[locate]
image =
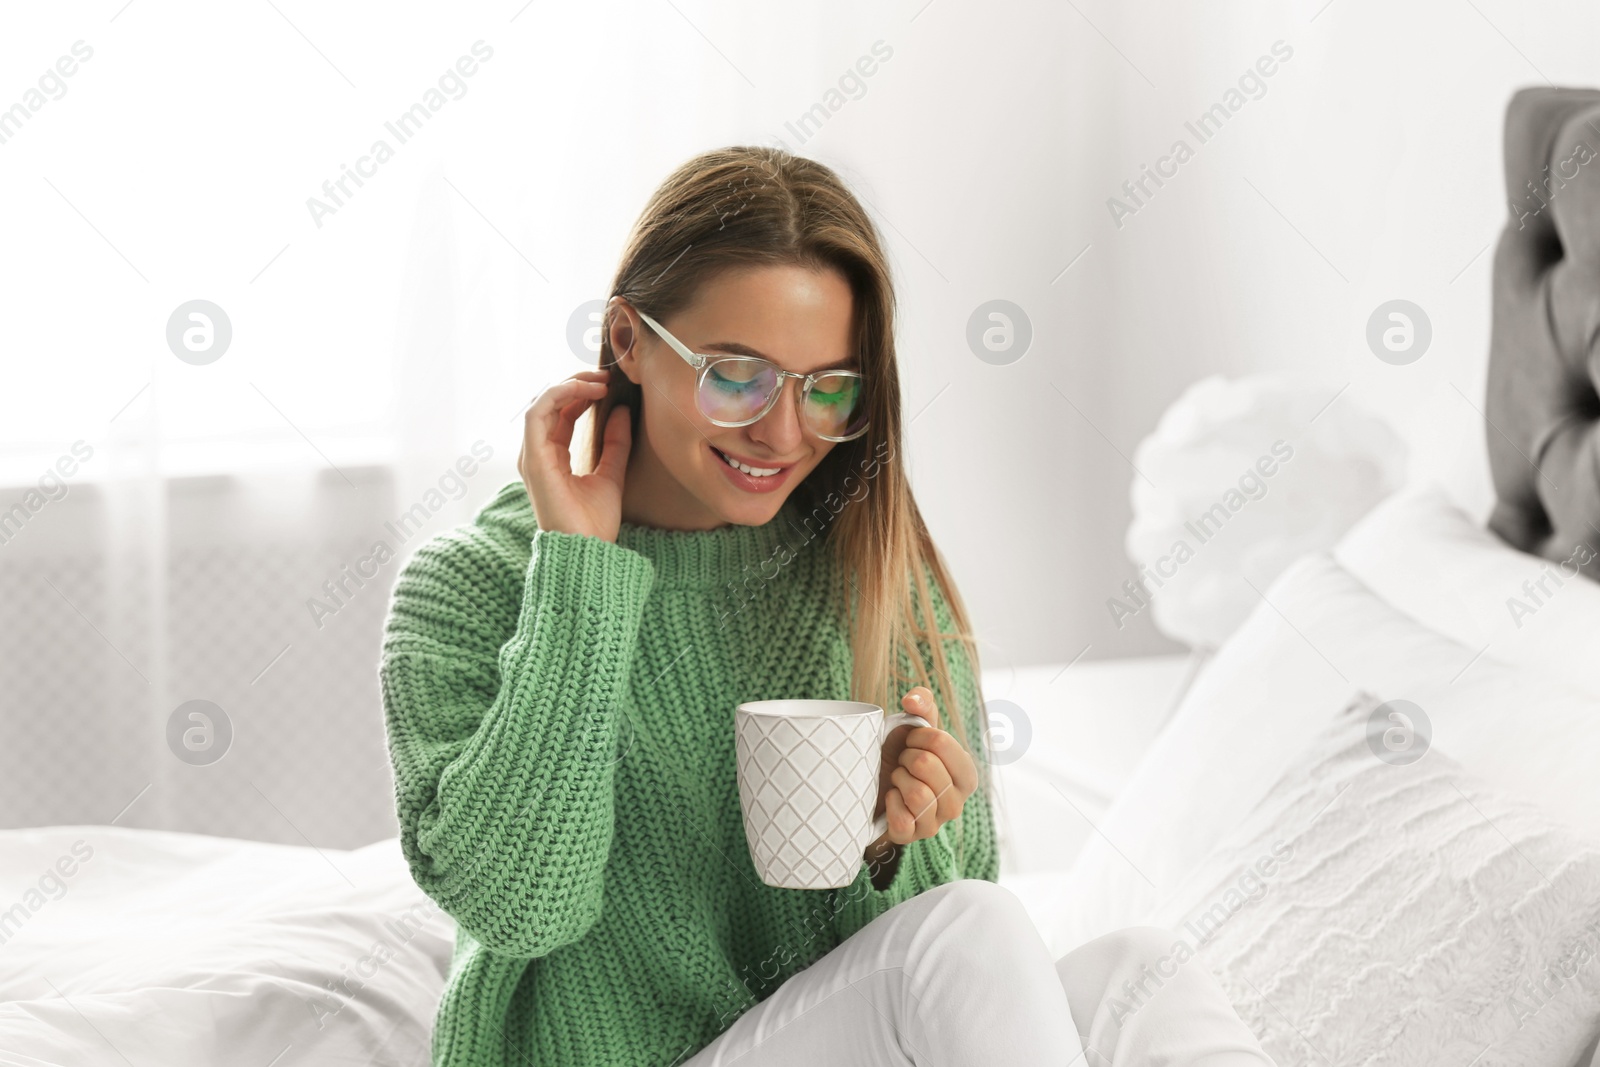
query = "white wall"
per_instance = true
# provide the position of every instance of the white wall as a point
(1374, 154)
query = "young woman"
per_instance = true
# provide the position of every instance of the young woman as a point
(560, 679)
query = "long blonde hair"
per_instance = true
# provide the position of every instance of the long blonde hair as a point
(745, 207)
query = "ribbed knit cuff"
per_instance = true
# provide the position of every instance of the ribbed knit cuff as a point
(580, 573)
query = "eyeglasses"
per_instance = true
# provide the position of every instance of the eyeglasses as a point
(738, 390)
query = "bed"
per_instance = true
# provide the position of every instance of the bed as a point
(1369, 889)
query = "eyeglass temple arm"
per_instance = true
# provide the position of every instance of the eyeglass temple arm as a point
(677, 345)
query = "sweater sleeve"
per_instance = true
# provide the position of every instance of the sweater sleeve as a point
(501, 689)
(963, 847)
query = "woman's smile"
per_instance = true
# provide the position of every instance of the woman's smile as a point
(751, 475)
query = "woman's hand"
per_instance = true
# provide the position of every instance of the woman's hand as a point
(563, 501)
(928, 779)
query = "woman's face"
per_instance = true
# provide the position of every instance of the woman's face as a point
(799, 319)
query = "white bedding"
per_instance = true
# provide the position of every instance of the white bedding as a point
(180, 949)
(1433, 562)
(1372, 913)
(1518, 724)
(190, 951)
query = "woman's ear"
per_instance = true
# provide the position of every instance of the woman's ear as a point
(624, 334)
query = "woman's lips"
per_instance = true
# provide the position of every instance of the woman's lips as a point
(750, 483)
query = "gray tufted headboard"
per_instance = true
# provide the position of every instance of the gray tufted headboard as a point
(1544, 350)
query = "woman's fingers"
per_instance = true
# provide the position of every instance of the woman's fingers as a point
(919, 701)
(553, 393)
(554, 412)
(556, 400)
(933, 775)
(931, 771)
(902, 826)
(954, 759)
(919, 800)
(561, 500)
(616, 445)
(567, 418)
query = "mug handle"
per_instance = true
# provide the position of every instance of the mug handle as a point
(891, 723)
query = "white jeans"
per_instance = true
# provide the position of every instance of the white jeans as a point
(958, 976)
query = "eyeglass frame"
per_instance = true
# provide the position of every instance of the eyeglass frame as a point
(703, 363)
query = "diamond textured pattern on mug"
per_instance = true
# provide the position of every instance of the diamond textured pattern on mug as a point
(801, 784)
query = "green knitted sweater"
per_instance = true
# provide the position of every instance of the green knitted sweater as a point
(560, 722)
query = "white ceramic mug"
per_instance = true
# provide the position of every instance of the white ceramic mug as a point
(808, 781)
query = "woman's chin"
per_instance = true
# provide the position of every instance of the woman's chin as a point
(747, 509)
(756, 512)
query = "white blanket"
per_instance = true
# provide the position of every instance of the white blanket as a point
(191, 951)
(137, 946)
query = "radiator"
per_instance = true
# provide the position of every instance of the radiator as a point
(256, 605)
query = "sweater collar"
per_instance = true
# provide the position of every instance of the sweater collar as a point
(709, 558)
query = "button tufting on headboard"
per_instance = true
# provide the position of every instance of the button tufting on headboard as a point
(1544, 352)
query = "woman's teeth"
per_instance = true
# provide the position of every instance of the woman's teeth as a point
(754, 472)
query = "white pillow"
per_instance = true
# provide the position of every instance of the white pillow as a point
(1278, 681)
(1365, 912)
(1427, 557)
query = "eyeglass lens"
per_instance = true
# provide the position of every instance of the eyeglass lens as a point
(734, 390)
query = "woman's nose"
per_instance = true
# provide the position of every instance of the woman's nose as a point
(780, 428)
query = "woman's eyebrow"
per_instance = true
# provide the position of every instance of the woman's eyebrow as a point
(734, 348)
